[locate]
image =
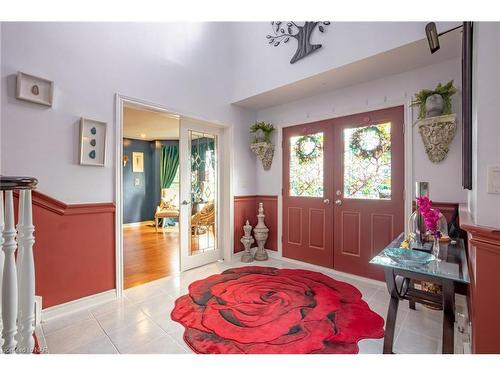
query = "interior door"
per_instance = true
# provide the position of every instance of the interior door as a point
(369, 187)
(307, 193)
(200, 176)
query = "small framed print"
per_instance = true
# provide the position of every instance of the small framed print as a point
(34, 89)
(92, 142)
(137, 162)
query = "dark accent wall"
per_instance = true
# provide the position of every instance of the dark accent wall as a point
(139, 202)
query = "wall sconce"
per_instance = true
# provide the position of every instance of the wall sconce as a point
(125, 160)
(433, 36)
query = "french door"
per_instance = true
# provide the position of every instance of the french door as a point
(307, 187)
(343, 198)
(199, 149)
(369, 188)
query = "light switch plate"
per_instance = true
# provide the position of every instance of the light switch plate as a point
(494, 179)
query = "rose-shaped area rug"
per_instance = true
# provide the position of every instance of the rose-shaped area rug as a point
(269, 310)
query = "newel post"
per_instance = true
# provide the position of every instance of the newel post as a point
(9, 281)
(26, 315)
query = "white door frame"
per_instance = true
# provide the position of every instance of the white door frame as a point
(227, 198)
(408, 156)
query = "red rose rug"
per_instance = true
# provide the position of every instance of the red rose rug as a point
(264, 310)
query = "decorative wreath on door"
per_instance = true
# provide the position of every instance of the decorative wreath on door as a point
(307, 148)
(369, 142)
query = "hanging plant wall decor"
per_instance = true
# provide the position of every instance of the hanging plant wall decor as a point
(283, 31)
(262, 145)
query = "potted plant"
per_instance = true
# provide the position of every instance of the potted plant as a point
(435, 102)
(262, 131)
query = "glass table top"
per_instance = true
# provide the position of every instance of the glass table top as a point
(450, 264)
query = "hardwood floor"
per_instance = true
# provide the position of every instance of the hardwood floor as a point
(149, 255)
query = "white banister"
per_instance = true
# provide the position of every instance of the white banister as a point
(9, 284)
(17, 271)
(1, 262)
(26, 317)
(19, 260)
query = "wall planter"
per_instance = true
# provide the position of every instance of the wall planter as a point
(265, 152)
(437, 134)
(262, 145)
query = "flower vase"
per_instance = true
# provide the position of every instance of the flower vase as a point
(435, 248)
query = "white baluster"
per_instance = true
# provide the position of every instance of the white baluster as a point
(9, 285)
(1, 262)
(27, 288)
(19, 258)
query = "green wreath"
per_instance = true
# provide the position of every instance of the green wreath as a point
(304, 155)
(360, 150)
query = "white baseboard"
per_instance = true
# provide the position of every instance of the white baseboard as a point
(79, 304)
(138, 224)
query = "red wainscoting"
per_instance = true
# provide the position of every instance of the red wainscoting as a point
(245, 208)
(484, 295)
(74, 249)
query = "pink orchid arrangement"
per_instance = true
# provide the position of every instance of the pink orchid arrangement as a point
(431, 215)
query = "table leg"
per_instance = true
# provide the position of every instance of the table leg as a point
(448, 317)
(390, 325)
(411, 303)
(392, 313)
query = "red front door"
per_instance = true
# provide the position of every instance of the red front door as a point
(346, 217)
(369, 198)
(307, 187)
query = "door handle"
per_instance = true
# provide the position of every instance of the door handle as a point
(185, 203)
(338, 202)
(326, 201)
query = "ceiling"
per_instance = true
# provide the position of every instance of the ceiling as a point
(145, 124)
(399, 60)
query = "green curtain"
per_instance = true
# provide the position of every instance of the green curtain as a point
(169, 165)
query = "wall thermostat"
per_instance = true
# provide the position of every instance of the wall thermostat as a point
(494, 179)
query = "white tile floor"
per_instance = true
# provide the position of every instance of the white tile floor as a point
(140, 321)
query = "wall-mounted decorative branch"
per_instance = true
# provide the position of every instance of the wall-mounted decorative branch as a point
(283, 31)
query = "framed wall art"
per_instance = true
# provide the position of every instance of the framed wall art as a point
(34, 89)
(137, 162)
(92, 142)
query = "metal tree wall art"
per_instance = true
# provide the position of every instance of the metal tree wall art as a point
(283, 31)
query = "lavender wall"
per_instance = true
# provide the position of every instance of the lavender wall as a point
(444, 178)
(484, 206)
(182, 66)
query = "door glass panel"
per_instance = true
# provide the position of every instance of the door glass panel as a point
(204, 181)
(367, 162)
(306, 165)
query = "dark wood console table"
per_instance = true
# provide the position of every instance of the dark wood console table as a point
(448, 271)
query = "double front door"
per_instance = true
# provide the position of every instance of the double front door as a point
(343, 190)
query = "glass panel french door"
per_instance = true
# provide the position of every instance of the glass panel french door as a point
(200, 178)
(369, 202)
(307, 193)
(343, 189)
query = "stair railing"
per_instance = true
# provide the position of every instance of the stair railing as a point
(17, 271)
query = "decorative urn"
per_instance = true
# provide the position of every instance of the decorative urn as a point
(247, 241)
(261, 232)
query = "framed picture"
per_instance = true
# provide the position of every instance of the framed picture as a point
(34, 89)
(92, 142)
(137, 162)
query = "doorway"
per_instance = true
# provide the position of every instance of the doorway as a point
(151, 191)
(200, 190)
(343, 189)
